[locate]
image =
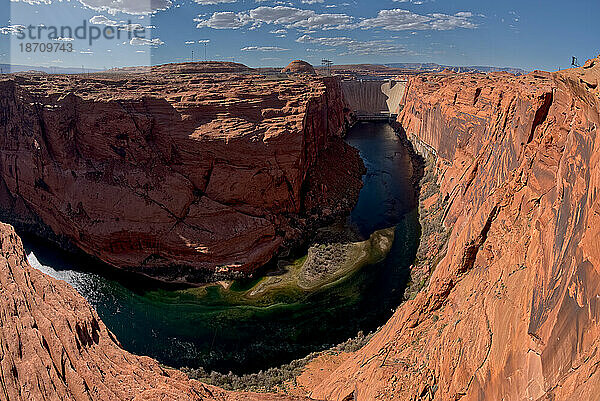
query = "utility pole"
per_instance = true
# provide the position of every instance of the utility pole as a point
(205, 42)
(192, 56)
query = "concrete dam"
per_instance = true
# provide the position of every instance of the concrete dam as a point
(374, 100)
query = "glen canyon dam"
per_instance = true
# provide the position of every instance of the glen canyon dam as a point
(318, 200)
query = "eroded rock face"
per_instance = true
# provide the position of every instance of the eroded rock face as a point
(54, 346)
(299, 67)
(168, 174)
(511, 312)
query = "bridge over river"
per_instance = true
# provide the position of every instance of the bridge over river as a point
(374, 100)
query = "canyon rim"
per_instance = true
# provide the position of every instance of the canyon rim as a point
(516, 161)
(347, 205)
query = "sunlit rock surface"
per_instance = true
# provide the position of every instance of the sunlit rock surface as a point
(299, 67)
(54, 346)
(512, 310)
(510, 313)
(176, 173)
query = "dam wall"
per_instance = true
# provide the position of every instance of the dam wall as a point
(374, 98)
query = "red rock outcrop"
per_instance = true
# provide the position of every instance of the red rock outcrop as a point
(299, 67)
(54, 346)
(512, 311)
(168, 174)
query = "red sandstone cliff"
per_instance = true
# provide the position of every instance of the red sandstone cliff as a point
(299, 67)
(54, 346)
(169, 174)
(512, 312)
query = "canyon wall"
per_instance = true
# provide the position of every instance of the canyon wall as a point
(54, 346)
(176, 175)
(512, 311)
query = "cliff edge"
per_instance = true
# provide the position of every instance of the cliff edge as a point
(54, 346)
(511, 312)
(181, 176)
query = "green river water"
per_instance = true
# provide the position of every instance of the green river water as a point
(218, 330)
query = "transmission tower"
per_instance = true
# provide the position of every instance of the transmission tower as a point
(327, 64)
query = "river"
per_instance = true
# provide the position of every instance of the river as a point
(186, 328)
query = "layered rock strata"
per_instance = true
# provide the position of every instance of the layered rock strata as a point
(54, 346)
(299, 67)
(171, 174)
(511, 312)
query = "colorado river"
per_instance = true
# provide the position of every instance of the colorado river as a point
(183, 327)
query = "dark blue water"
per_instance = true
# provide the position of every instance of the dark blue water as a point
(388, 193)
(218, 330)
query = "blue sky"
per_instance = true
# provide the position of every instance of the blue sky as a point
(525, 34)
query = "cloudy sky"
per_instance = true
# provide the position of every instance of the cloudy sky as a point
(526, 33)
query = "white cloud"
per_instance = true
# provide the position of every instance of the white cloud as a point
(146, 42)
(102, 20)
(264, 49)
(12, 29)
(289, 17)
(127, 6)
(310, 21)
(401, 20)
(133, 27)
(325, 22)
(356, 47)
(115, 6)
(279, 15)
(130, 27)
(222, 20)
